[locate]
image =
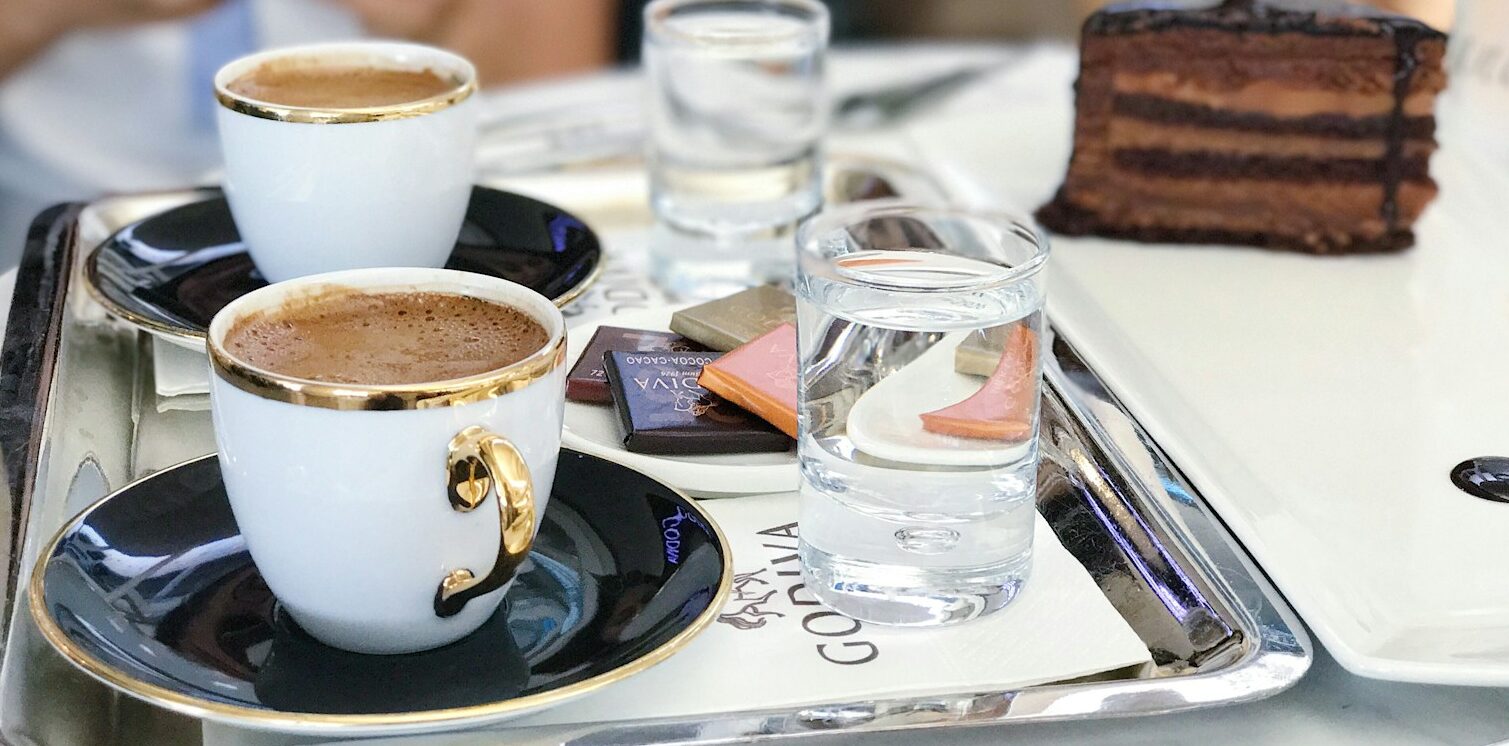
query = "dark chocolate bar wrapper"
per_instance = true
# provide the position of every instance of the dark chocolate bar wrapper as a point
(896, 233)
(663, 410)
(588, 382)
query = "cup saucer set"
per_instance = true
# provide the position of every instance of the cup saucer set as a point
(368, 559)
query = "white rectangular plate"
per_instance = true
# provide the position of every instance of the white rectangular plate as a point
(1319, 403)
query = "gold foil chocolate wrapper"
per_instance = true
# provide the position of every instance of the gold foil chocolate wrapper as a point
(729, 322)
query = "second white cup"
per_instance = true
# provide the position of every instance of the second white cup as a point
(317, 190)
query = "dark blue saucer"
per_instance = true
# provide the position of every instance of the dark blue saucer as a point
(152, 591)
(171, 272)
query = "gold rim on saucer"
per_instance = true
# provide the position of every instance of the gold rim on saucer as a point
(274, 719)
(197, 338)
(580, 288)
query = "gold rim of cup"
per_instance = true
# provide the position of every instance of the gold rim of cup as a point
(268, 384)
(461, 72)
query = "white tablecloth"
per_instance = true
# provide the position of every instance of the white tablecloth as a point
(1329, 706)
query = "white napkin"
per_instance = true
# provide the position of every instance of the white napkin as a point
(1061, 627)
(770, 654)
(181, 377)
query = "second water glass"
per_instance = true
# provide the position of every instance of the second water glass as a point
(737, 110)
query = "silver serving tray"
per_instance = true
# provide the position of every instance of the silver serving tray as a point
(78, 417)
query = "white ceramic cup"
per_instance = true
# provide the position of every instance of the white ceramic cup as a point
(389, 519)
(318, 190)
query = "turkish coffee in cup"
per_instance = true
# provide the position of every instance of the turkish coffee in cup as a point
(388, 440)
(347, 155)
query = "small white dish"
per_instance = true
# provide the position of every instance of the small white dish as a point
(886, 421)
(595, 429)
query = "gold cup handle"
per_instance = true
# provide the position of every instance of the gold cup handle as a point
(478, 460)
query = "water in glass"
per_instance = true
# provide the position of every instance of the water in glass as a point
(736, 111)
(920, 369)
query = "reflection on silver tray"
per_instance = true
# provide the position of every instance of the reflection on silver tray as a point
(77, 416)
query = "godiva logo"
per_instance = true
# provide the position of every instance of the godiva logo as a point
(666, 383)
(670, 533)
(758, 598)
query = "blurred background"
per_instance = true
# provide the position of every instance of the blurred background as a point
(1015, 19)
(103, 96)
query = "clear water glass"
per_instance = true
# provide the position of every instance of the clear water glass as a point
(919, 333)
(737, 110)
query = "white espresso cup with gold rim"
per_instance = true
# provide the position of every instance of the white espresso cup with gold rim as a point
(389, 518)
(323, 189)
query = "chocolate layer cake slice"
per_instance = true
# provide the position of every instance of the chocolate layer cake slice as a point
(1253, 123)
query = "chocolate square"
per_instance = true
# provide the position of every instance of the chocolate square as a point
(587, 382)
(663, 410)
(726, 323)
(980, 352)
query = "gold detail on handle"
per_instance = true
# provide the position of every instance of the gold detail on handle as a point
(481, 462)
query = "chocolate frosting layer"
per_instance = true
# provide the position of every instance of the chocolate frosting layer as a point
(1165, 163)
(1262, 16)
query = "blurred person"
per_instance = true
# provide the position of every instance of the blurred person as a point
(103, 96)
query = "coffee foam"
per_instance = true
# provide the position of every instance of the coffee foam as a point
(384, 338)
(313, 83)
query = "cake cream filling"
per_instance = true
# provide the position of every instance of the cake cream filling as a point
(1276, 98)
(1126, 133)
